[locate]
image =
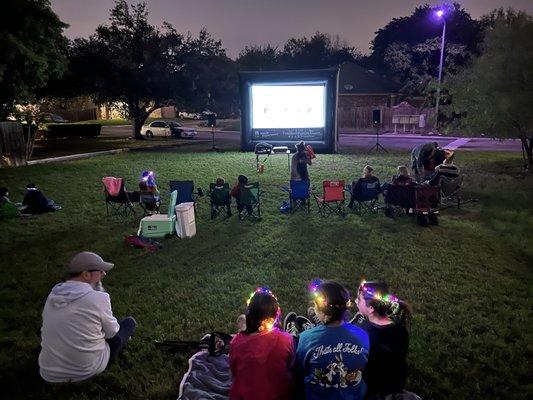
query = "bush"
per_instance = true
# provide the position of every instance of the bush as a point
(72, 131)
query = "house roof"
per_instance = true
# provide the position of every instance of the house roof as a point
(354, 79)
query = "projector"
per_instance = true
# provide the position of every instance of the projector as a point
(280, 149)
(263, 148)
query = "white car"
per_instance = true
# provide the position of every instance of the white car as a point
(167, 129)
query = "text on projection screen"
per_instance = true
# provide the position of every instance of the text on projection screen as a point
(276, 106)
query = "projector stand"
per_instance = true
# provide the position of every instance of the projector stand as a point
(213, 147)
(378, 145)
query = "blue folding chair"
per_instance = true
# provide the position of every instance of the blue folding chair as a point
(366, 197)
(185, 191)
(300, 195)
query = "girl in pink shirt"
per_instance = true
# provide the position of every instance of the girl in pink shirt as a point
(261, 356)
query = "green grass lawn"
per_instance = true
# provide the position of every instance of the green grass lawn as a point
(468, 280)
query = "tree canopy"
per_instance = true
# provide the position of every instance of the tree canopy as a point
(495, 94)
(318, 51)
(144, 67)
(32, 50)
(408, 48)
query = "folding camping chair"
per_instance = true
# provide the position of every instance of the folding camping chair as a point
(250, 201)
(220, 200)
(117, 200)
(332, 200)
(427, 201)
(450, 190)
(299, 195)
(366, 197)
(149, 203)
(186, 192)
(399, 197)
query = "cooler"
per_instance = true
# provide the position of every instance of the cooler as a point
(185, 220)
(160, 225)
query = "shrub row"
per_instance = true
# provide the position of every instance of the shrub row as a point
(71, 131)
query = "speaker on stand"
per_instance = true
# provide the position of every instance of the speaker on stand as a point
(376, 122)
(212, 122)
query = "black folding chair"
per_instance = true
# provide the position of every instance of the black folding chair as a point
(120, 203)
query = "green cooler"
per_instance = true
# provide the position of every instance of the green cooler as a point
(160, 225)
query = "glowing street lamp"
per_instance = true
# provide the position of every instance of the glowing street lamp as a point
(440, 14)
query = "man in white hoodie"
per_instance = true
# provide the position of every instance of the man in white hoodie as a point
(80, 336)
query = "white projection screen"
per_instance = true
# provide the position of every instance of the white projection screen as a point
(282, 108)
(288, 106)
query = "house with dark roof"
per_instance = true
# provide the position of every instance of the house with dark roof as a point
(361, 93)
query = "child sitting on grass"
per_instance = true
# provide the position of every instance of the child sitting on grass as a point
(385, 318)
(7, 208)
(261, 355)
(330, 358)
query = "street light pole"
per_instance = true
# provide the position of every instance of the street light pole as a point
(440, 70)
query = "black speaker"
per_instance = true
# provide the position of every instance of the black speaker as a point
(376, 116)
(211, 120)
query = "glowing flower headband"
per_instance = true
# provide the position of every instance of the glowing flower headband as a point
(268, 324)
(390, 299)
(321, 300)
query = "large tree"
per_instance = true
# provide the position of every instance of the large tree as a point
(495, 94)
(129, 62)
(408, 48)
(32, 49)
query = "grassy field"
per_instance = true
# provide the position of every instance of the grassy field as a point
(468, 280)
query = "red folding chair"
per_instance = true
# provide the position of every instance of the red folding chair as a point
(427, 202)
(332, 200)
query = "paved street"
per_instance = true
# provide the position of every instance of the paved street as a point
(391, 141)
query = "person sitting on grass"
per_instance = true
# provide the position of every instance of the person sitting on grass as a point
(366, 182)
(447, 169)
(330, 358)
(80, 337)
(236, 191)
(7, 208)
(386, 320)
(261, 356)
(36, 203)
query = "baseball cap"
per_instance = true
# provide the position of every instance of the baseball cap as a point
(86, 261)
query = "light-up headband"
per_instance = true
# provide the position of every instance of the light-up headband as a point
(268, 324)
(389, 299)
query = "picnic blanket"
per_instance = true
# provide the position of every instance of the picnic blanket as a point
(208, 378)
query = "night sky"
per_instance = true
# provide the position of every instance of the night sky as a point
(257, 22)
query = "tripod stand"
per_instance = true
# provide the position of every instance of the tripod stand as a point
(213, 147)
(378, 145)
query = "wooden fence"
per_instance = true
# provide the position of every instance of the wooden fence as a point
(12, 144)
(360, 119)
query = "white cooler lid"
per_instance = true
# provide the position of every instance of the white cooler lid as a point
(184, 206)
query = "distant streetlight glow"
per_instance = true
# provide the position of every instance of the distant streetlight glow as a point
(439, 13)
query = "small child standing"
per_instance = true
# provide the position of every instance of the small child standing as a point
(261, 356)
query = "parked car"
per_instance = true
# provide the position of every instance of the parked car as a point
(167, 129)
(188, 115)
(49, 118)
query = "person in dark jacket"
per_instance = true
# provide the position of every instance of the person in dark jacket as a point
(35, 201)
(366, 186)
(386, 320)
(424, 159)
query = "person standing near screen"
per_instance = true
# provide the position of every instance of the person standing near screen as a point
(300, 161)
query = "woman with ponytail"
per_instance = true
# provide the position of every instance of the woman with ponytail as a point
(386, 320)
(261, 356)
(331, 357)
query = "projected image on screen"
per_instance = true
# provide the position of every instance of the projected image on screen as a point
(288, 106)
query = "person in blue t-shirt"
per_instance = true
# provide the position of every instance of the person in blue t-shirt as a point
(330, 358)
